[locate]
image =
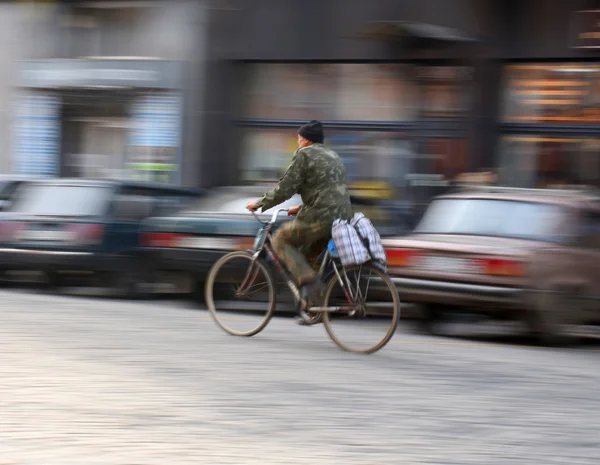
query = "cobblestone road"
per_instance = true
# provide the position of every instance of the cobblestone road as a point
(93, 381)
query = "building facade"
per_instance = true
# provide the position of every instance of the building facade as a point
(412, 93)
(108, 88)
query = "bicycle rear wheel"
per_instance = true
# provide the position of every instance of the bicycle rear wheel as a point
(240, 294)
(369, 322)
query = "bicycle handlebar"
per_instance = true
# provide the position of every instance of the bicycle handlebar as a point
(273, 216)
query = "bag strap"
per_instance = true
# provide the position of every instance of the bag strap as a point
(363, 239)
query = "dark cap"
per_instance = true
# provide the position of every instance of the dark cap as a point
(312, 131)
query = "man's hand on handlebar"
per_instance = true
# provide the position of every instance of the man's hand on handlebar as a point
(293, 211)
(252, 206)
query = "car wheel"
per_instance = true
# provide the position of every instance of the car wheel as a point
(197, 295)
(50, 283)
(429, 320)
(553, 316)
(131, 283)
(5, 281)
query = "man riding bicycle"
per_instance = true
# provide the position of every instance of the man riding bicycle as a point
(319, 176)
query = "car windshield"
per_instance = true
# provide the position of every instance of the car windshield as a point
(498, 218)
(62, 200)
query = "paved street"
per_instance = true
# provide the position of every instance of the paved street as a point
(97, 381)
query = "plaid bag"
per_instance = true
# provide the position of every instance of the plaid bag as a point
(358, 241)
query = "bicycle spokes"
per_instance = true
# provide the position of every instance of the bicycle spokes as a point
(240, 294)
(373, 314)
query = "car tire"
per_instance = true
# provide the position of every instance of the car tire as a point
(5, 281)
(197, 295)
(130, 283)
(552, 316)
(51, 283)
(429, 320)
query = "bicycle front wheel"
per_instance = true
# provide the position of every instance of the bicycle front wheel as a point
(368, 309)
(240, 294)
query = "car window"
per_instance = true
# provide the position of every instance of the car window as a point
(499, 218)
(234, 204)
(62, 200)
(239, 205)
(6, 190)
(170, 203)
(134, 204)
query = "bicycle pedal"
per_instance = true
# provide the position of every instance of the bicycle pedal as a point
(304, 322)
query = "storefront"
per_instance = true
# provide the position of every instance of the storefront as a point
(412, 96)
(394, 124)
(399, 111)
(99, 118)
(550, 115)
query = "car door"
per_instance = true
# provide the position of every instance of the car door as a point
(130, 207)
(588, 261)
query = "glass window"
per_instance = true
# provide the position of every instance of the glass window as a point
(168, 203)
(445, 91)
(351, 92)
(374, 156)
(229, 204)
(552, 93)
(62, 200)
(500, 218)
(266, 153)
(549, 162)
(445, 157)
(376, 159)
(372, 92)
(286, 91)
(6, 190)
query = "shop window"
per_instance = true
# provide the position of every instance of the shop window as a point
(552, 93)
(265, 153)
(445, 91)
(351, 92)
(283, 91)
(440, 163)
(446, 157)
(549, 162)
(372, 113)
(372, 92)
(371, 158)
(376, 159)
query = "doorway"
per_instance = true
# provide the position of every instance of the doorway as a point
(95, 128)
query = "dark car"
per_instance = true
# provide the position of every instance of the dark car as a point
(65, 228)
(183, 246)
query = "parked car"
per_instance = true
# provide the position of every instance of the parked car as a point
(183, 246)
(65, 228)
(520, 254)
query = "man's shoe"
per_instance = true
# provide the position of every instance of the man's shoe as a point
(312, 293)
(302, 322)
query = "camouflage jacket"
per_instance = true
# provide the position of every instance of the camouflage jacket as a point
(319, 176)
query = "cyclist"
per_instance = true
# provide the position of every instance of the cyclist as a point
(318, 174)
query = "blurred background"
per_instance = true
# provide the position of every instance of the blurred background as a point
(134, 132)
(414, 95)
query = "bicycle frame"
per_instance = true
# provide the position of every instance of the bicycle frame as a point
(266, 247)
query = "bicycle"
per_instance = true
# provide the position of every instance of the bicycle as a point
(261, 259)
